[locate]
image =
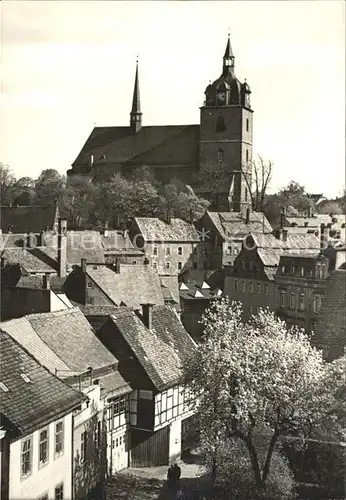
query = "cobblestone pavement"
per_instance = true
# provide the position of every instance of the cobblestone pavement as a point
(149, 483)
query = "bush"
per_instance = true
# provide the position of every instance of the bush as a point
(235, 476)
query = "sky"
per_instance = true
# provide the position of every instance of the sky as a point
(69, 65)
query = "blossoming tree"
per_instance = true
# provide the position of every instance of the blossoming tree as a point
(255, 376)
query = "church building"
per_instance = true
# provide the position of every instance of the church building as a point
(213, 158)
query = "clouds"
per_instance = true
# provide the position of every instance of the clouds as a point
(68, 64)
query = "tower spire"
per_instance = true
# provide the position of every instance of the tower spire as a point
(136, 115)
(228, 58)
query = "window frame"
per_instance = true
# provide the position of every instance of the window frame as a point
(154, 265)
(59, 486)
(235, 286)
(283, 298)
(180, 251)
(24, 475)
(180, 266)
(168, 251)
(155, 250)
(292, 299)
(250, 287)
(258, 288)
(301, 305)
(62, 432)
(265, 288)
(40, 462)
(83, 446)
(167, 265)
(317, 299)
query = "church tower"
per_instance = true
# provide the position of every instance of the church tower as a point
(136, 115)
(226, 138)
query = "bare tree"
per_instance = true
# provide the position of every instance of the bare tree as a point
(258, 182)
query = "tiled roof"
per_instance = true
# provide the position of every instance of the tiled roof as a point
(162, 350)
(330, 329)
(69, 334)
(170, 286)
(154, 229)
(29, 405)
(233, 223)
(294, 241)
(177, 144)
(114, 384)
(36, 282)
(316, 220)
(195, 292)
(22, 331)
(116, 240)
(133, 286)
(32, 260)
(27, 218)
(89, 310)
(79, 245)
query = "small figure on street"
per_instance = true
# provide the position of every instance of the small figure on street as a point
(176, 473)
(170, 477)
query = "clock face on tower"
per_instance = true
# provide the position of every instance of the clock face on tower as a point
(221, 97)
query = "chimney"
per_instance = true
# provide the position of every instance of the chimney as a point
(310, 212)
(31, 240)
(62, 247)
(282, 217)
(306, 223)
(83, 265)
(105, 229)
(247, 216)
(46, 281)
(284, 234)
(147, 315)
(169, 216)
(40, 239)
(191, 216)
(322, 237)
(117, 266)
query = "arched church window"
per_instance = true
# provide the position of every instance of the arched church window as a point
(220, 155)
(220, 124)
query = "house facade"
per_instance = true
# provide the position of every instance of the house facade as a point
(300, 283)
(224, 234)
(252, 280)
(36, 449)
(150, 349)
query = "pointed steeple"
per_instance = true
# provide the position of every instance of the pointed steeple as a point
(136, 115)
(228, 58)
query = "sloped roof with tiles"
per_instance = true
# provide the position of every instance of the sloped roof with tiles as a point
(22, 331)
(133, 285)
(178, 230)
(39, 259)
(69, 334)
(24, 219)
(196, 290)
(330, 329)
(162, 350)
(233, 223)
(173, 144)
(28, 405)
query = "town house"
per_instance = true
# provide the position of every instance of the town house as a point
(36, 422)
(66, 344)
(95, 284)
(252, 281)
(224, 233)
(170, 245)
(151, 348)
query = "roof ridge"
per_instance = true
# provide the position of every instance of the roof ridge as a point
(15, 341)
(55, 313)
